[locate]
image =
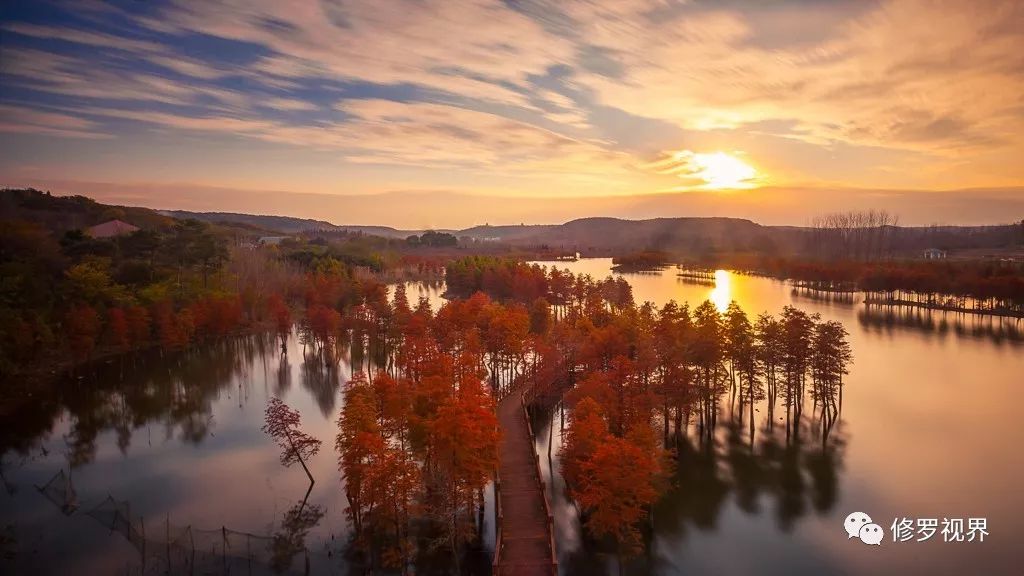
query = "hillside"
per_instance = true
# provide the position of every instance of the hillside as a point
(287, 224)
(693, 236)
(60, 213)
(597, 235)
(585, 234)
(674, 234)
(683, 236)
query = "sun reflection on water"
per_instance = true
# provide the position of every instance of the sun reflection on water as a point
(721, 295)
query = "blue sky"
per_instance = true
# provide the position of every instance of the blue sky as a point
(522, 98)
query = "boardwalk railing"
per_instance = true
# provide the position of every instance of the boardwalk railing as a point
(498, 521)
(540, 480)
(521, 482)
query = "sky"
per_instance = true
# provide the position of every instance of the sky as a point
(450, 113)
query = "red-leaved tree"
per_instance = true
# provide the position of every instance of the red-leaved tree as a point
(82, 326)
(117, 326)
(284, 425)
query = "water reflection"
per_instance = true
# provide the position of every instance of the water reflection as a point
(722, 294)
(172, 440)
(139, 431)
(290, 540)
(845, 299)
(889, 319)
(126, 393)
(178, 436)
(323, 382)
(762, 474)
(929, 392)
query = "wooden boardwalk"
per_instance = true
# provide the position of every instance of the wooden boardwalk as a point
(525, 544)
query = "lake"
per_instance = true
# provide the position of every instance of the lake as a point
(929, 429)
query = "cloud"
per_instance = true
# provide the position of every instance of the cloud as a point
(880, 78)
(20, 120)
(478, 48)
(79, 36)
(573, 90)
(289, 104)
(376, 131)
(76, 77)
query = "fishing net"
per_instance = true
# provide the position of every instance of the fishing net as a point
(166, 548)
(170, 549)
(115, 516)
(233, 552)
(61, 492)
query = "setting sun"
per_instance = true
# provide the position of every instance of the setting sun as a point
(707, 170)
(722, 171)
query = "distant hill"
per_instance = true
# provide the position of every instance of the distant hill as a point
(284, 224)
(287, 224)
(685, 235)
(510, 233)
(585, 233)
(60, 213)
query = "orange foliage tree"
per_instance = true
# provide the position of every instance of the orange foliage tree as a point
(281, 316)
(82, 329)
(381, 476)
(117, 327)
(138, 326)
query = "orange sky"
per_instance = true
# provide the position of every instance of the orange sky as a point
(838, 103)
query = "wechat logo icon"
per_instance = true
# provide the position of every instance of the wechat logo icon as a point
(859, 525)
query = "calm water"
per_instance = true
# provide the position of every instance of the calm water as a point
(929, 429)
(178, 438)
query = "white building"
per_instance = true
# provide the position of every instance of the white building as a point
(934, 254)
(271, 240)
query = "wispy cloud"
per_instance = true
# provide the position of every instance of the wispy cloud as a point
(909, 93)
(20, 120)
(906, 74)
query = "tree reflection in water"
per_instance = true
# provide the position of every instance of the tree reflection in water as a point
(788, 480)
(132, 399)
(176, 389)
(892, 319)
(290, 539)
(181, 399)
(322, 381)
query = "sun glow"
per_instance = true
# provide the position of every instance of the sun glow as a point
(707, 170)
(722, 171)
(722, 294)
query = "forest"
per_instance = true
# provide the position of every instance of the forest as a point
(962, 286)
(78, 293)
(178, 281)
(417, 437)
(67, 298)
